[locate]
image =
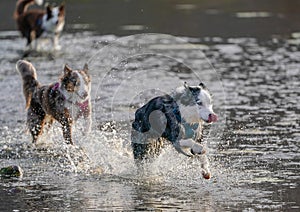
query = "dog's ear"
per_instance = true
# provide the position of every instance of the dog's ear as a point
(195, 90)
(185, 85)
(85, 68)
(49, 11)
(202, 85)
(62, 8)
(67, 69)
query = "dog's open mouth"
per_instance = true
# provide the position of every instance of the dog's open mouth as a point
(212, 118)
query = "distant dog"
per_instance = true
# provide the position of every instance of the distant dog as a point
(170, 118)
(33, 23)
(64, 101)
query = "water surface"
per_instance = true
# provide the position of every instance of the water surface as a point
(253, 149)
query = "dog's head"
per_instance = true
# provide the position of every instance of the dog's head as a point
(54, 19)
(199, 96)
(77, 82)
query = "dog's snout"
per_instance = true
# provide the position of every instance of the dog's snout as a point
(212, 118)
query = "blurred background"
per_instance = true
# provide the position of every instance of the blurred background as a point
(196, 18)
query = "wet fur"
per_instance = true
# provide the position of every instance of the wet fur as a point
(161, 122)
(33, 23)
(46, 103)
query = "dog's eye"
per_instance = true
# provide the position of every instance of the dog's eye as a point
(74, 81)
(199, 103)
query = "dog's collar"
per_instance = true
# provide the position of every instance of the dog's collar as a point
(190, 130)
(56, 86)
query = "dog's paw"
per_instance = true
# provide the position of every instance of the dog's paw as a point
(198, 149)
(206, 175)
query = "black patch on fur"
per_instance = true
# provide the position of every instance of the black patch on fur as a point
(167, 105)
(49, 13)
(195, 92)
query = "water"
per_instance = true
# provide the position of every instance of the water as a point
(253, 149)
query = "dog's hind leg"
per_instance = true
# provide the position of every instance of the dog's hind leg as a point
(48, 122)
(145, 148)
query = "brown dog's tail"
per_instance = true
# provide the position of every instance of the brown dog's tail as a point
(30, 83)
(22, 6)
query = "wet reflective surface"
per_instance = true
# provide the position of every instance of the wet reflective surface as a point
(253, 149)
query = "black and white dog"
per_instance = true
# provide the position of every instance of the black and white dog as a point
(35, 22)
(170, 118)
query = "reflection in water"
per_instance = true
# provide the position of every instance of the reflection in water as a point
(255, 162)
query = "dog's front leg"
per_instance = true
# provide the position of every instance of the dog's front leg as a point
(199, 150)
(67, 132)
(87, 117)
(65, 120)
(33, 43)
(189, 147)
(88, 125)
(55, 41)
(205, 167)
(195, 148)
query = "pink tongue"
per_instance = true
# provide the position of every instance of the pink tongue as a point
(212, 118)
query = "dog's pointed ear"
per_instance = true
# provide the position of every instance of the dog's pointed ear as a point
(62, 7)
(185, 85)
(67, 69)
(85, 68)
(202, 85)
(49, 9)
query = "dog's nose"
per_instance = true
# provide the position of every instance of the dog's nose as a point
(212, 118)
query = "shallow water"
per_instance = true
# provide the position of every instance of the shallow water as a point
(253, 150)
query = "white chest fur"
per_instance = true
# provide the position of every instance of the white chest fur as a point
(189, 113)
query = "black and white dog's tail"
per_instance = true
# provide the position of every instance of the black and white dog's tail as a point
(30, 83)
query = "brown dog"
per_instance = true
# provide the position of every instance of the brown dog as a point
(64, 101)
(33, 23)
